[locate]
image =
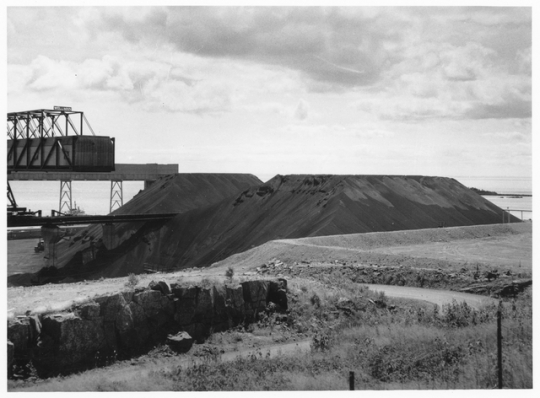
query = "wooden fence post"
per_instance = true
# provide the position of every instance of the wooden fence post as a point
(499, 346)
(351, 381)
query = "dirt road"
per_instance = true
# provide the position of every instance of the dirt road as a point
(439, 297)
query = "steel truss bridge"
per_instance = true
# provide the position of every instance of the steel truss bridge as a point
(49, 144)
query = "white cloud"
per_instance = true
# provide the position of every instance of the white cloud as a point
(155, 85)
(515, 136)
(48, 74)
(302, 110)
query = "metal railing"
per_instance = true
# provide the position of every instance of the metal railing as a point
(507, 213)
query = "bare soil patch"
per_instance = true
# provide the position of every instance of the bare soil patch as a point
(507, 247)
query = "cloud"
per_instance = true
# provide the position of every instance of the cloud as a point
(515, 136)
(450, 82)
(325, 44)
(302, 110)
(398, 63)
(152, 84)
(505, 110)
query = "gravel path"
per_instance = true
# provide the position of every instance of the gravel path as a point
(439, 297)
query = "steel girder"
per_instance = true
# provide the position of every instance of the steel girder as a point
(117, 195)
(43, 123)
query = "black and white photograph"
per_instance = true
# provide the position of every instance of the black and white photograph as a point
(269, 197)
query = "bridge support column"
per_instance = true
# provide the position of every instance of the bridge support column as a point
(65, 205)
(110, 240)
(51, 234)
(117, 195)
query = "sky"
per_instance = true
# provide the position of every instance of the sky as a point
(439, 91)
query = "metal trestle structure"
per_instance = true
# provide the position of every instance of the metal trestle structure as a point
(117, 195)
(66, 205)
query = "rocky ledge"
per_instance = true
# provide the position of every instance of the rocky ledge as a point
(129, 323)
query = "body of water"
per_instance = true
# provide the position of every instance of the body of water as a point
(94, 196)
(501, 185)
(91, 196)
(514, 203)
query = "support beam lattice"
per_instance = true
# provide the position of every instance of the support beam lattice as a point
(66, 204)
(117, 195)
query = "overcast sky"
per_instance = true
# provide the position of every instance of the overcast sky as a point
(431, 91)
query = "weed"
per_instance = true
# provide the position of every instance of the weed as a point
(321, 341)
(132, 281)
(205, 283)
(316, 300)
(229, 273)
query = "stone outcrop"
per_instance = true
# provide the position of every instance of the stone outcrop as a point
(128, 323)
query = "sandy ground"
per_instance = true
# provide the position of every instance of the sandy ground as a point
(490, 250)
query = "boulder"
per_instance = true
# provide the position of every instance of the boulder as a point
(180, 342)
(89, 310)
(204, 307)
(160, 286)
(110, 306)
(277, 293)
(185, 303)
(68, 343)
(255, 296)
(150, 301)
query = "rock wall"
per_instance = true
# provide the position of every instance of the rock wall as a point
(131, 322)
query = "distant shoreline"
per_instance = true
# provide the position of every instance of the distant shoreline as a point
(483, 192)
(513, 195)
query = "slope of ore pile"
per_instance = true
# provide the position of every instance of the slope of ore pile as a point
(285, 207)
(176, 193)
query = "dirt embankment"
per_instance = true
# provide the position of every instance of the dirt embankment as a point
(286, 207)
(507, 247)
(502, 257)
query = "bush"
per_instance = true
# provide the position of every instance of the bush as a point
(132, 280)
(316, 300)
(321, 341)
(229, 273)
